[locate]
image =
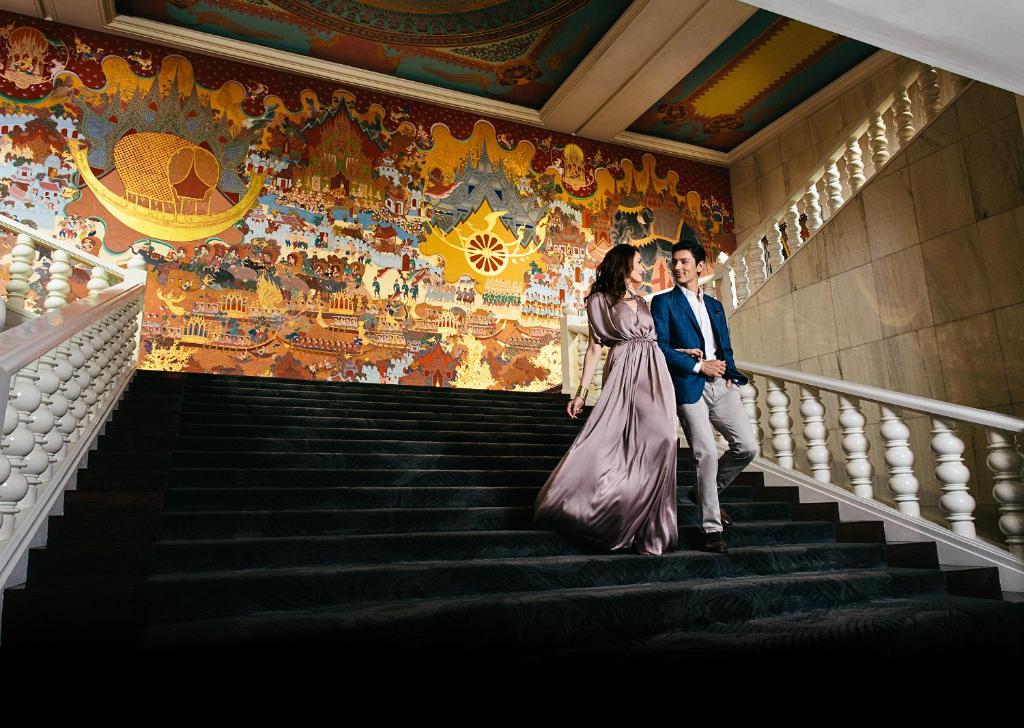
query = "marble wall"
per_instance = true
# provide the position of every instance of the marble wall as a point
(916, 286)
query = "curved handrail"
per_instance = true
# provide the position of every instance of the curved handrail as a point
(23, 344)
(946, 410)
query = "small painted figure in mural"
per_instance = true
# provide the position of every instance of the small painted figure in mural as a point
(602, 490)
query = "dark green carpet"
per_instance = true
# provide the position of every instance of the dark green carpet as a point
(227, 513)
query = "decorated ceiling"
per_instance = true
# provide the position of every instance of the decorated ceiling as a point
(768, 66)
(517, 51)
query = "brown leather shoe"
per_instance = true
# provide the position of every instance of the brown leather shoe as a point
(723, 515)
(714, 543)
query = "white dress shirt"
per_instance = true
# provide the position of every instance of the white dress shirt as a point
(696, 301)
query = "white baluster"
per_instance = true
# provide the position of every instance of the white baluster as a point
(80, 351)
(13, 485)
(953, 475)
(903, 116)
(28, 400)
(58, 287)
(709, 289)
(1005, 462)
(748, 394)
(812, 209)
(780, 422)
(834, 187)
(23, 258)
(20, 442)
(65, 370)
(775, 249)
(854, 165)
(756, 266)
(879, 141)
(793, 236)
(728, 287)
(856, 447)
(51, 385)
(98, 282)
(930, 92)
(739, 266)
(900, 460)
(816, 434)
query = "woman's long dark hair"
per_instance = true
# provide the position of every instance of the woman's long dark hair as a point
(613, 271)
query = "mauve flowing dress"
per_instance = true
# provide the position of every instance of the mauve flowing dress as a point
(617, 484)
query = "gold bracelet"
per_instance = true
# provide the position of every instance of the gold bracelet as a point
(585, 392)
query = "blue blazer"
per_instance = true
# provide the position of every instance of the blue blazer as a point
(677, 328)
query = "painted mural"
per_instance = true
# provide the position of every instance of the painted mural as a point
(764, 69)
(518, 51)
(294, 228)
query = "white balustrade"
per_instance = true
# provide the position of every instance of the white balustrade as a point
(62, 255)
(952, 476)
(821, 194)
(780, 423)
(1006, 463)
(899, 459)
(856, 446)
(64, 372)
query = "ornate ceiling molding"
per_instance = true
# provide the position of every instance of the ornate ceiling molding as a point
(674, 148)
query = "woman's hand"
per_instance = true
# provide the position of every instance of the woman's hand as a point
(575, 407)
(695, 353)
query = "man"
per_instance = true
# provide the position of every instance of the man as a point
(707, 387)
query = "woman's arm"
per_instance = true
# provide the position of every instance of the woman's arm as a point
(590, 361)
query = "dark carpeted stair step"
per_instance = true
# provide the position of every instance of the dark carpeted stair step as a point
(373, 420)
(200, 379)
(203, 595)
(455, 546)
(524, 622)
(894, 629)
(355, 441)
(281, 522)
(186, 499)
(284, 477)
(342, 402)
(328, 416)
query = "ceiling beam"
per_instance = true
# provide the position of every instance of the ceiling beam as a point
(662, 43)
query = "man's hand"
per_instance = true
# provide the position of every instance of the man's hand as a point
(695, 353)
(713, 368)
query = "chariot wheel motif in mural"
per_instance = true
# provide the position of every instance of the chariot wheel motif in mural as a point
(486, 254)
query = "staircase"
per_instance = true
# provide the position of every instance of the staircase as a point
(254, 515)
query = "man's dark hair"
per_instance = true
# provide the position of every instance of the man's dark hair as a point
(699, 254)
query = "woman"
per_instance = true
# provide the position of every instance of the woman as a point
(617, 484)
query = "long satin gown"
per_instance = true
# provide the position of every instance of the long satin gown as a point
(617, 484)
